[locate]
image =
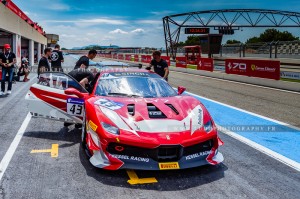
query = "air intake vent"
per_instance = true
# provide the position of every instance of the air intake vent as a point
(173, 108)
(154, 112)
(130, 108)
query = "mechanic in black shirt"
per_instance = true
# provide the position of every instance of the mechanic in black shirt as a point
(84, 60)
(44, 64)
(84, 77)
(56, 59)
(160, 65)
(7, 61)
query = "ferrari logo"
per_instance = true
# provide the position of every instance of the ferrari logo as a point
(229, 66)
(168, 137)
(253, 67)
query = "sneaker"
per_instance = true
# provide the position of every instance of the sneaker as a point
(8, 92)
(26, 80)
(1, 93)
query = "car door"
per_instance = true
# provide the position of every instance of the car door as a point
(47, 98)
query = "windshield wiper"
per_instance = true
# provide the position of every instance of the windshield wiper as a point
(124, 94)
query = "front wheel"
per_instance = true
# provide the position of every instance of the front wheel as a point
(83, 138)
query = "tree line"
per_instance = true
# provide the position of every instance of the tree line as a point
(268, 36)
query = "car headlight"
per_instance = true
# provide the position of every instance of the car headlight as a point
(208, 126)
(111, 129)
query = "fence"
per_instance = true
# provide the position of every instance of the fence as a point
(274, 49)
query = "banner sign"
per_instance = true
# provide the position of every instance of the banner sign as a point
(206, 64)
(136, 58)
(121, 56)
(181, 62)
(146, 58)
(128, 57)
(290, 75)
(253, 68)
(167, 58)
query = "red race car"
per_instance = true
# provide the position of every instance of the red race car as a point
(131, 119)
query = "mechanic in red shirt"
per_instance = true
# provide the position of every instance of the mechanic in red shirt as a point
(7, 61)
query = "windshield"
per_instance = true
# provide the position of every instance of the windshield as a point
(134, 87)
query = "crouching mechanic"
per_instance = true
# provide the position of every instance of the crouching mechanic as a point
(84, 77)
(23, 71)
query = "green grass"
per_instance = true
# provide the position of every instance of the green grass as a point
(192, 66)
(290, 80)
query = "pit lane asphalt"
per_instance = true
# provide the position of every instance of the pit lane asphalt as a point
(245, 172)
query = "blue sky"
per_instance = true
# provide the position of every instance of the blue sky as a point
(128, 22)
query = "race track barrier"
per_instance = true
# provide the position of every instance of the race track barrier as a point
(181, 62)
(205, 64)
(253, 68)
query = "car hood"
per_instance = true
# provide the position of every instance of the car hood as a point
(153, 115)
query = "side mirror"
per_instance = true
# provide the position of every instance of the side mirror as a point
(73, 91)
(180, 90)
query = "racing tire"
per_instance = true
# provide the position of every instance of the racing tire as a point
(83, 138)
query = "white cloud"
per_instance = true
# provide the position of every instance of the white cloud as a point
(58, 6)
(152, 22)
(165, 12)
(138, 31)
(118, 31)
(91, 33)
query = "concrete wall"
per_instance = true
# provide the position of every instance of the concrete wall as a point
(10, 22)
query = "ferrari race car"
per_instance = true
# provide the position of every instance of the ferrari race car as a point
(131, 119)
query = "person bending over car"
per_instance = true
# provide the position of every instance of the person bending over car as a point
(84, 77)
(84, 60)
(160, 65)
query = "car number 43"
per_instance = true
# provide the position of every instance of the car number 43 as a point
(75, 106)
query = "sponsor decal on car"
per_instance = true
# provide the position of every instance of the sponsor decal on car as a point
(168, 165)
(109, 104)
(75, 106)
(197, 155)
(93, 126)
(134, 158)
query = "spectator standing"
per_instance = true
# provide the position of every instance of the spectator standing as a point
(56, 59)
(85, 59)
(160, 65)
(7, 61)
(44, 64)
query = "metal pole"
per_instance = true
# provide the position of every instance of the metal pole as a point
(270, 49)
(276, 48)
(165, 33)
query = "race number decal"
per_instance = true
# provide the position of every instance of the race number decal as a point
(75, 106)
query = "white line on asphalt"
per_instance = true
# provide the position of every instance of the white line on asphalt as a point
(225, 80)
(291, 163)
(251, 113)
(13, 146)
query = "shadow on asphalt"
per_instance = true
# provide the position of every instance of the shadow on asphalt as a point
(167, 180)
(173, 180)
(71, 136)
